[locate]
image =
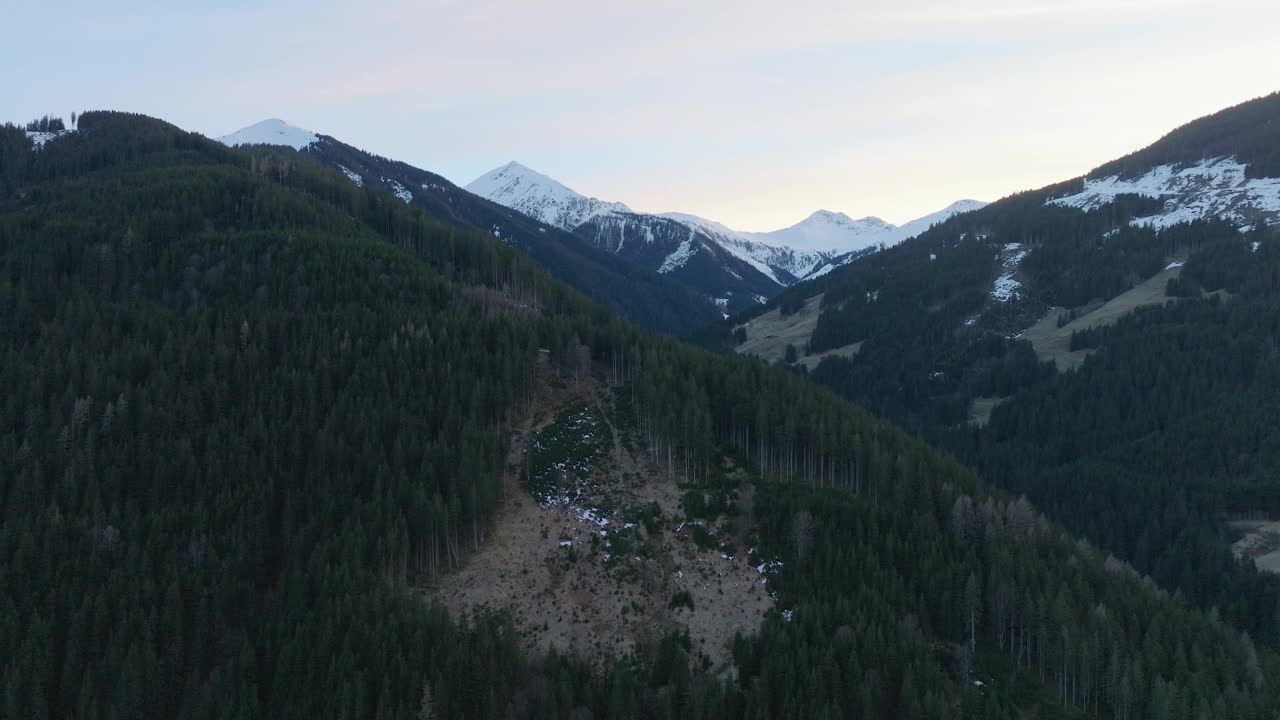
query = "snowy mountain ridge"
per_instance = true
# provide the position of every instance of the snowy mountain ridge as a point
(538, 196)
(785, 256)
(784, 265)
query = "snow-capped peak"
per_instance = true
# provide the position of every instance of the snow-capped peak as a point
(271, 132)
(920, 224)
(830, 217)
(782, 255)
(828, 231)
(961, 206)
(532, 193)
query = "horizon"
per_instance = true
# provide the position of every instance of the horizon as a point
(464, 184)
(753, 118)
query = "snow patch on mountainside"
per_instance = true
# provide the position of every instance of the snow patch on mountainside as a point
(271, 132)
(399, 190)
(681, 255)
(745, 253)
(1208, 189)
(1006, 288)
(830, 265)
(826, 268)
(538, 196)
(38, 138)
(353, 177)
(763, 256)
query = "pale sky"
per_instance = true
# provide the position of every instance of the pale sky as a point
(750, 112)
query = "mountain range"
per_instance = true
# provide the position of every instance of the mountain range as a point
(734, 266)
(646, 298)
(699, 268)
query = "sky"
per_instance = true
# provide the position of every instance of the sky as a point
(753, 113)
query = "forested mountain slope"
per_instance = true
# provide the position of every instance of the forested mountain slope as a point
(250, 408)
(637, 294)
(1103, 345)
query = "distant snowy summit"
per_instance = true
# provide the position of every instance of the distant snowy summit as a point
(784, 256)
(271, 132)
(538, 196)
(825, 230)
(830, 231)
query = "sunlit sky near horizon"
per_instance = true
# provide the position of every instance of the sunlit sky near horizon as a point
(752, 113)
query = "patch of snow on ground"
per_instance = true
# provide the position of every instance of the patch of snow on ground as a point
(832, 264)
(681, 255)
(38, 139)
(1210, 188)
(1255, 244)
(353, 177)
(399, 191)
(742, 253)
(768, 566)
(826, 268)
(1174, 264)
(592, 515)
(753, 248)
(1006, 287)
